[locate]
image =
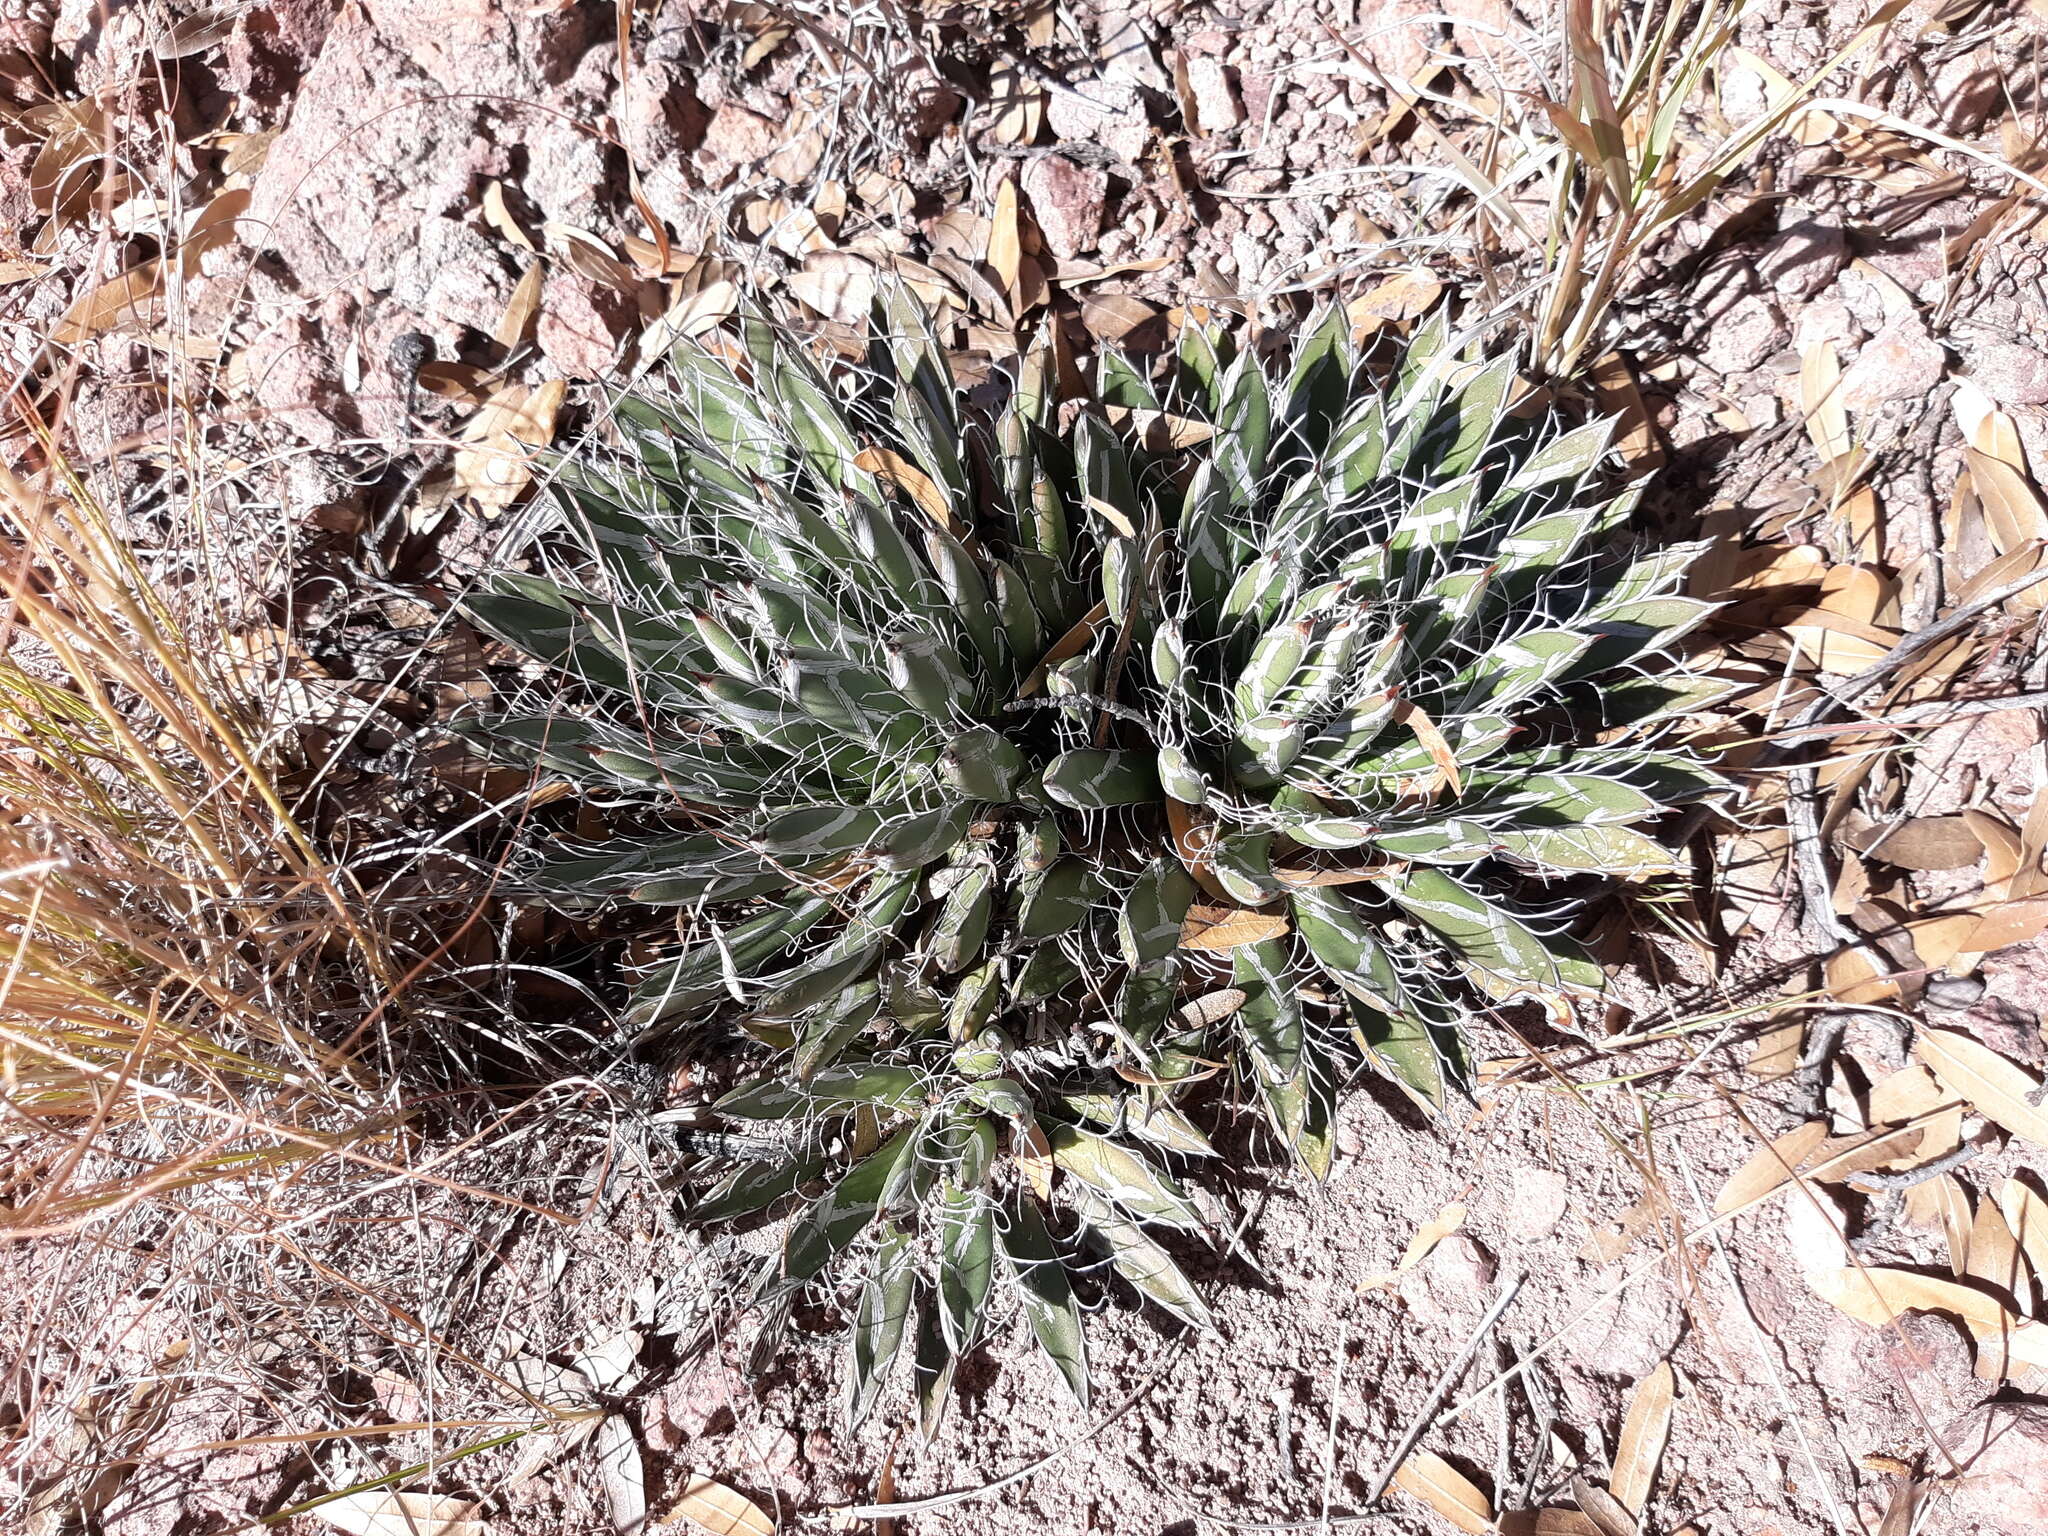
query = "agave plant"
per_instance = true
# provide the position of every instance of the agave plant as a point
(1018, 769)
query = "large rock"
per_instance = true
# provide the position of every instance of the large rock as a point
(2003, 1490)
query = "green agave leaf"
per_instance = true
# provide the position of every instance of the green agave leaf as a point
(1158, 1123)
(826, 1034)
(1090, 779)
(1489, 939)
(829, 1090)
(1124, 1177)
(1048, 1299)
(963, 919)
(1140, 1260)
(754, 1187)
(1482, 407)
(879, 1322)
(1270, 1019)
(934, 1366)
(1404, 1049)
(1344, 942)
(1148, 927)
(841, 1214)
(700, 976)
(1607, 850)
(966, 1262)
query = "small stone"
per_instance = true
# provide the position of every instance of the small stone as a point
(1901, 362)
(1537, 1203)
(1118, 124)
(2010, 372)
(581, 323)
(690, 1408)
(1461, 1265)
(1068, 201)
(737, 136)
(1803, 258)
(1742, 336)
(1216, 105)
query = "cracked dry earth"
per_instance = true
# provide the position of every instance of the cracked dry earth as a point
(444, 168)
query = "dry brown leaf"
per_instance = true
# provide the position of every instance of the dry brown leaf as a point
(1938, 939)
(1853, 976)
(1005, 255)
(1995, 1260)
(2026, 1213)
(584, 253)
(1770, 1168)
(500, 218)
(2007, 924)
(1836, 643)
(713, 1508)
(1158, 431)
(383, 1513)
(1614, 387)
(1420, 1246)
(1114, 316)
(1405, 296)
(1033, 1153)
(1428, 1478)
(1221, 928)
(2000, 1091)
(837, 284)
(213, 228)
(1774, 1054)
(1547, 1522)
(520, 310)
(1878, 1295)
(1071, 644)
(2014, 515)
(119, 301)
(1440, 751)
(1820, 397)
(1020, 107)
(1603, 1509)
(1860, 592)
(1846, 1156)
(1906, 1094)
(503, 441)
(913, 483)
(692, 314)
(1645, 1430)
(1922, 843)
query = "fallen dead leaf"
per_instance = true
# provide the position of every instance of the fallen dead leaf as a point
(1221, 928)
(914, 483)
(520, 310)
(1877, 1295)
(2026, 1213)
(1603, 1509)
(117, 302)
(503, 441)
(1407, 295)
(1421, 1245)
(714, 1508)
(1922, 843)
(1614, 387)
(1428, 1478)
(2000, 1091)
(383, 1513)
(1440, 751)
(1770, 1168)
(1645, 1430)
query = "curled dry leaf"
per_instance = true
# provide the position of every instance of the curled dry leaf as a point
(2026, 1213)
(837, 284)
(1878, 1295)
(1836, 643)
(1922, 843)
(1440, 751)
(914, 483)
(1603, 1509)
(715, 1509)
(1428, 1478)
(1421, 1245)
(1404, 296)
(1221, 928)
(2000, 1091)
(1770, 1168)
(502, 442)
(130, 298)
(1645, 1430)
(383, 1513)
